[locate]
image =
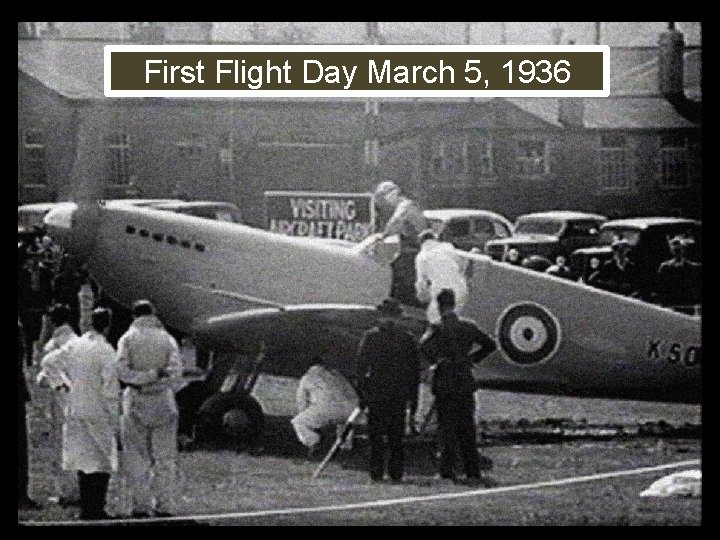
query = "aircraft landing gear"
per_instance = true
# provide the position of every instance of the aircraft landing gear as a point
(236, 417)
(232, 414)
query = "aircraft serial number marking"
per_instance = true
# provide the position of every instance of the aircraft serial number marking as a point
(673, 352)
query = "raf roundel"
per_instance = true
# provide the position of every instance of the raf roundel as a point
(528, 334)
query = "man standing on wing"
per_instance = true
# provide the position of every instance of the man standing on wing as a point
(407, 221)
(388, 372)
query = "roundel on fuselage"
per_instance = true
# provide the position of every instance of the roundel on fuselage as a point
(528, 333)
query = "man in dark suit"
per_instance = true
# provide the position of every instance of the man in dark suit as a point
(453, 346)
(679, 280)
(388, 372)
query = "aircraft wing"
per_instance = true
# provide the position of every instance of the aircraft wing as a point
(298, 336)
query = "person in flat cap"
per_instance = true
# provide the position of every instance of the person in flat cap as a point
(438, 267)
(407, 221)
(387, 379)
(619, 274)
(678, 279)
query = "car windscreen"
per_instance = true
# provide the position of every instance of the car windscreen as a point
(609, 234)
(538, 226)
(436, 225)
(229, 216)
(29, 219)
(501, 230)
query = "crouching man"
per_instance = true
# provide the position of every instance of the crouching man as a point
(324, 398)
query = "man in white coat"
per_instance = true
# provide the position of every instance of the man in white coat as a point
(439, 267)
(324, 398)
(149, 364)
(57, 331)
(87, 367)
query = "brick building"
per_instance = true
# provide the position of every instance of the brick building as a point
(635, 153)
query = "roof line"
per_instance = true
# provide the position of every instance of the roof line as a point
(245, 42)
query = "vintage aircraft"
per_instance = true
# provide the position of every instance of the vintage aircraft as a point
(280, 303)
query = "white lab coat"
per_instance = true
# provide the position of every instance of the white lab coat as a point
(51, 374)
(87, 365)
(86, 301)
(438, 267)
(324, 398)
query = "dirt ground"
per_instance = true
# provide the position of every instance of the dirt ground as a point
(276, 474)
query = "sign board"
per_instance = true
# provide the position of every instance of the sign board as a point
(340, 216)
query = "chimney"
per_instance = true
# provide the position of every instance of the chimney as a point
(671, 63)
(148, 33)
(671, 73)
(571, 110)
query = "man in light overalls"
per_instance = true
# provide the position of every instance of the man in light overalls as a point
(149, 365)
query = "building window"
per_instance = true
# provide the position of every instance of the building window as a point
(190, 148)
(117, 150)
(33, 164)
(227, 157)
(674, 162)
(480, 160)
(532, 158)
(449, 156)
(614, 162)
(694, 157)
(461, 160)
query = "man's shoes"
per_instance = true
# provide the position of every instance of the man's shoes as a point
(164, 514)
(474, 481)
(94, 516)
(140, 515)
(26, 503)
(313, 451)
(449, 477)
(66, 501)
(397, 481)
(486, 464)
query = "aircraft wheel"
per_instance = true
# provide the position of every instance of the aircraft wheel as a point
(233, 415)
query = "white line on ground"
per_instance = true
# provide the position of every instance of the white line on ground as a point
(380, 503)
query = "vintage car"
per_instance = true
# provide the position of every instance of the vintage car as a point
(30, 216)
(31, 220)
(648, 238)
(548, 234)
(467, 228)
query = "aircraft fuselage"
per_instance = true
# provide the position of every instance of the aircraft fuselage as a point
(555, 336)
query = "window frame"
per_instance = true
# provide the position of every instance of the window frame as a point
(520, 160)
(33, 179)
(683, 157)
(608, 155)
(118, 149)
(443, 164)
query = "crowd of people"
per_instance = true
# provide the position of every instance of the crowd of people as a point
(99, 429)
(47, 276)
(114, 411)
(386, 385)
(63, 346)
(674, 284)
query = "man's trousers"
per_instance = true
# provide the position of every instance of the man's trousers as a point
(386, 420)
